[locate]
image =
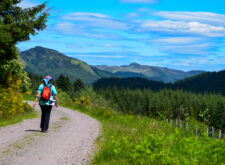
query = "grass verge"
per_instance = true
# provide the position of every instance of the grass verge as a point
(127, 139)
(17, 119)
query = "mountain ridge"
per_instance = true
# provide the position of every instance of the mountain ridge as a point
(150, 72)
(42, 61)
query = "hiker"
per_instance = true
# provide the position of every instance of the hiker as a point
(47, 96)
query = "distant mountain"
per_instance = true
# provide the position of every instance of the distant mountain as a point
(43, 61)
(149, 72)
(205, 82)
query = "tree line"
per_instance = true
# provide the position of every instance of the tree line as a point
(209, 82)
(168, 103)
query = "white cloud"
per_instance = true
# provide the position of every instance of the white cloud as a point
(71, 15)
(192, 49)
(179, 27)
(202, 17)
(96, 20)
(79, 30)
(139, 1)
(176, 40)
(100, 56)
(28, 3)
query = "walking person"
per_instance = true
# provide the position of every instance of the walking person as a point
(47, 96)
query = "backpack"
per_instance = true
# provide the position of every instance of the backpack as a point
(46, 93)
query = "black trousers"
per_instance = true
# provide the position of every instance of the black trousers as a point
(45, 116)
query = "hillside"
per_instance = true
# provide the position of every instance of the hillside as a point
(205, 82)
(43, 61)
(149, 72)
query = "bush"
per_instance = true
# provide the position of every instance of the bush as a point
(11, 100)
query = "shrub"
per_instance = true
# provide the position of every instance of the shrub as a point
(11, 99)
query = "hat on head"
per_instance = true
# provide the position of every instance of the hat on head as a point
(47, 79)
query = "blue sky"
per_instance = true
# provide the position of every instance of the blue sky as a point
(179, 34)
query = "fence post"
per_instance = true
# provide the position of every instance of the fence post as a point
(186, 125)
(171, 121)
(212, 131)
(207, 131)
(196, 130)
(220, 134)
(176, 122)
(180, 123)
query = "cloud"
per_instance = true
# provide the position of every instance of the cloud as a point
(111, 46)
(28, 3)
(202, 17)
(81, 30)
(179, 27)
(71, 15)
(96, 20)
(139, 1)
(106, 54)
(177, 40)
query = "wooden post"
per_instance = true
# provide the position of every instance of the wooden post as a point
(196, 130)
(176, 122)
(180, 123)
(207, 131)
(220, 134)
(212, 131)
(167, 120)
(186, 125)
(171, 121)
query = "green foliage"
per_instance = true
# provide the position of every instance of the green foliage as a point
(35, 81)
(64, 83)
(206, 82)
(64, 98)
(29, 113)
(208, 108)
(128, 139)
(131, 83)
(160, 144)
(16, 25)
(78, 85)
(11, 68)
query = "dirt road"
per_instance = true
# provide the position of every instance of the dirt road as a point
(70, 140)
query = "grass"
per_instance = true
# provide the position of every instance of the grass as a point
(17, 118)
(28, 97)
(127, 139)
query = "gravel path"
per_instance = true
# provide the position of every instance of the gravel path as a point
(70, 140)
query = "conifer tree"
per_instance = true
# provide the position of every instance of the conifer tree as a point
(64, 83)
(78, 85)
(16, 25)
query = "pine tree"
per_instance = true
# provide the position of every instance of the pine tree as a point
(64, 83)
(78, 85)
(16, 25)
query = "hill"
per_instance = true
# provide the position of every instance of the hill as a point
(43, 61)
(205, 82)
(149, 72)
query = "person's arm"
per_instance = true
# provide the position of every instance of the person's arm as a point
(56, 100)
(35, 102)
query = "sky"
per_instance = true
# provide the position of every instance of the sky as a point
(178, 34)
